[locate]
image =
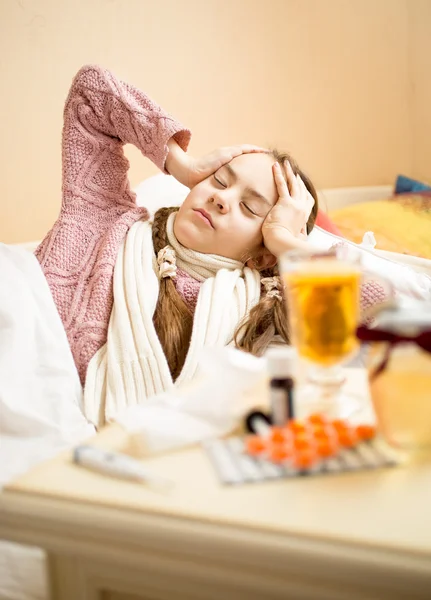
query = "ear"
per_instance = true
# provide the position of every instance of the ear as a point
(263, 260)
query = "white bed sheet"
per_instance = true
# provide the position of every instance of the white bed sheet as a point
(40, 397)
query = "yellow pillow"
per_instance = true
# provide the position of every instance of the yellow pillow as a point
(400, 224)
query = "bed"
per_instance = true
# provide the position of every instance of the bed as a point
(22, 570)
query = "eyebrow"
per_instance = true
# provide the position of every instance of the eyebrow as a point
(248, 190)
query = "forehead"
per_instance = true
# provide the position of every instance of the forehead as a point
(255, 171)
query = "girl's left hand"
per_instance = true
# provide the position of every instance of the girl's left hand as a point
(190, 171)
(285, 227)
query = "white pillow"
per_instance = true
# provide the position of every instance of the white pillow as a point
(159, 191)
(405, 280)
(164, 190)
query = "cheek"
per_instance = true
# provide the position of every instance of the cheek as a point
(199, 193)
(197, 196)
(257, 230)
(187, 201)
(252, 236)
(182, 229)
(190, 201)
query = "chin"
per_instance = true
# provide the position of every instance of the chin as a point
(189, 236)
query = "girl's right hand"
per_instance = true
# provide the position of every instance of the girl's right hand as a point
(285, 227)
(190, 171)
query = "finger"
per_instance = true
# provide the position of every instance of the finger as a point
(291, 179)
(308, 198)
(224, 155)
(234, 151)
(280, 182)
(303, 192)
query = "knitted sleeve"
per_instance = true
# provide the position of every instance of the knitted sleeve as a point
(100, 116)
(78, 254)
(372, 292)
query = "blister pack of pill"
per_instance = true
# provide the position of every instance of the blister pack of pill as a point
(307, 448)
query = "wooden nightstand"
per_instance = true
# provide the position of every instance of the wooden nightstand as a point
(350, 536)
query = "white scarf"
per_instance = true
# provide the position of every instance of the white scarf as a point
(131, 366)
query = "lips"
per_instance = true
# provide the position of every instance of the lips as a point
(206, 216)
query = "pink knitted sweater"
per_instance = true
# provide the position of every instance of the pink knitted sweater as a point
(98, 207)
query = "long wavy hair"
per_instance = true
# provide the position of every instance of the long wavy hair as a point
(173, 319)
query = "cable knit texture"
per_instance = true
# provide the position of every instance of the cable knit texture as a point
(188, 288)
(98, 207)
(372, 293)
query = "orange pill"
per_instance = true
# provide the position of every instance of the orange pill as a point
(321, 432)
(348, 437)
(302, 441)
(304, 459)
(325, 448)
(330, 430)
(317, 419)
(278, 453)
(277, 435)
(339, 425)
(288, 434)
(365, 432)
(302, 445)
(254, 444)
(297, 426)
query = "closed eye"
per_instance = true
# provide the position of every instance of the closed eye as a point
(249, 209)
(220, 182)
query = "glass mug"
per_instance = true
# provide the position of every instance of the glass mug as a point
(323, 305)
(399, 365)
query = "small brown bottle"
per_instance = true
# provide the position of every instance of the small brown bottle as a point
(281, 367)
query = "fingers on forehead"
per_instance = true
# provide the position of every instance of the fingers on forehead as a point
(280, 173)
(280, 177)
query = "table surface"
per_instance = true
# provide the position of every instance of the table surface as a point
(385, 508)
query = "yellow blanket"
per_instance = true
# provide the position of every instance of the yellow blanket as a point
(400, 224)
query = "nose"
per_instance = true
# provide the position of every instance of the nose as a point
(220, 202)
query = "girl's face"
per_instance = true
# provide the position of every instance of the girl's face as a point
(224, 213)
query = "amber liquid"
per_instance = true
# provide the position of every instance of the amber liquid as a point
(323, 309)
(401, 395)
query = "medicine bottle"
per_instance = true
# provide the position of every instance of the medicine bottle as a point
(281, 369)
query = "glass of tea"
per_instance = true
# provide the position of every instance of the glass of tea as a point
(322, 294)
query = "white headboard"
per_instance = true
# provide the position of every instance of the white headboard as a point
(334, 198)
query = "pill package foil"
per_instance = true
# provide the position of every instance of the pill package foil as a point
(234, 466)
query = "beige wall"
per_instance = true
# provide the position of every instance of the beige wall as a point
(421, 87)
(329, 80)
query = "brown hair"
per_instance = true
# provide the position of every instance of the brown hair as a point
(173, 319)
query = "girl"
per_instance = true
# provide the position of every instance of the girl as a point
(139, 300)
